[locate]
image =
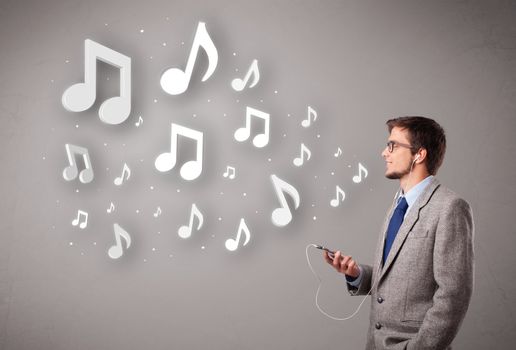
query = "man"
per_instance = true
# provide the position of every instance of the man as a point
(421, 278)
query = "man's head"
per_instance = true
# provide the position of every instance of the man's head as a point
(414, 140)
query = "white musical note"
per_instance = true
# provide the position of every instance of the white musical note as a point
(139, 122)
(81, 96)
(304, 150)
(77, 220)
(232, 244)
(230, 172)
(167, 160)
(242, 134)
(186, 231)
(116, 250)
(175, 81)
(111, 208)
(125, 171)
(312, 115)
(71, 171)
(358, 178)
(282, 216)
(239, 84)
(339, 152)
(157, 213)
(335, 202)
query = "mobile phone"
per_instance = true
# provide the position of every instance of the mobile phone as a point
(331, 253)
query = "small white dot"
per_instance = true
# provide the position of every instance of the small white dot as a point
(77, 190)
(141, 30)
(105, 144)
(318, 136)
(170, 256)
(94, 243)
(257, 212)
(236, 69)
(52, 80)
(194, 115)
(167, 18)
(288, 115)
(284, 135)
(209, 100)
(44, 158)
(237, 101)
(152, 187)
(144, 260)
(261, 100)
(315, 176)
(57, 201)
(141, 160)
(182, 42)
(203, 247)
(107, 169)
(212, 236)
(137, 211)
(349, 166)
(220, 219)
(275, 91)
(153, 249)
(224, 114)
(221, 193)
(178, 190)
(315, 218)
(270, 160)
(105, 24)
(313, 205)
(150, 57)
(155, 100)
(164, 44)
(67, 61)
(123, 144)
(245, 194)
(76, 126)
(332, 173)
(71, 243)
(159, 232)
(234, 53)
(82, 253)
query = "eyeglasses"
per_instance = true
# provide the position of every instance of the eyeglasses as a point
(392, 144)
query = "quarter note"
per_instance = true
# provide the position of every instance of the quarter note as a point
(186, 231)
(338, 192)
(82, 223)
(304, 150)
(261, 139)
(232, 244)
(312, 116)
(116, 250)
(167, 160)
(282, 215)
(230, 172)
(126, 173)
(157, 213)
(361, 170)
(239, 84)
(175, 81)
(71, 171)
(81, 96)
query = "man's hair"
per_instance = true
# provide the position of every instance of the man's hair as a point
(423, 133)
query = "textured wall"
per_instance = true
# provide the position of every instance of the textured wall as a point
(357, 63)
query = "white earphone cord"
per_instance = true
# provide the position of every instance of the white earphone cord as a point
(319, 288)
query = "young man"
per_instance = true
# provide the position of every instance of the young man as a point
(421, 278)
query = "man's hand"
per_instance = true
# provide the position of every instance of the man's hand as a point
(343, 264)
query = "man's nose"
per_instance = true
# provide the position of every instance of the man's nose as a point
(384, 153)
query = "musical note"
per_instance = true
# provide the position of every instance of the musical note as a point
(125, 171)
(77, 220)
(242, 134)
(167, 160)
(116, 250)
(304, 150)
(230, 172)
(358, 178)
(71, 171)
(175, 81)
(339, 152)
(232, 244)
(81, 96)
(282, 216)
(312, 115)
(139, 122)
(111, 208)
(239, 84)
(186, 231)
(157, 213)
(335, 202)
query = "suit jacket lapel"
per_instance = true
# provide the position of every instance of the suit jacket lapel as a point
(409, 222)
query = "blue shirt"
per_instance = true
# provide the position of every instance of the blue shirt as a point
(411, 197)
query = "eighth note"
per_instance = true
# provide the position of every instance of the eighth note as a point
(312, 115)
(120, 179)
(186, 231)
(361, 170)
(71, 171)
(157, 213)
(230, 172)
(77, 220)
(304, 150)
(139, 122)
(282, 216)
(116, 250)
(239, 84)
(339, 152)
(111, 208)
(175, 81)
(335, 202)
(232, 244)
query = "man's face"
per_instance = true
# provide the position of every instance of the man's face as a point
(398, 162)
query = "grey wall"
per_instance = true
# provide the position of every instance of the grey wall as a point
(356, 62)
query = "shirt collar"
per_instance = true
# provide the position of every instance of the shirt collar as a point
(414, 193)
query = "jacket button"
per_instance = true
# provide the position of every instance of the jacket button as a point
(378, 325)
(380, 300)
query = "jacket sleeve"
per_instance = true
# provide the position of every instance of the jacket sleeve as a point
(453, 273)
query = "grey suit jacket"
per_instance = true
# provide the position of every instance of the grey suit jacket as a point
(421, 295)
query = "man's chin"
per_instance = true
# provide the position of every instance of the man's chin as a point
(393, 176)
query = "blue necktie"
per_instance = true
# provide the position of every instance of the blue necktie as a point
(394, 226)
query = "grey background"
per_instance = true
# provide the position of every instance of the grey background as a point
(357, 63)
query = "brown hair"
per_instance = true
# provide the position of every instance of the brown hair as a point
(423, 133)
